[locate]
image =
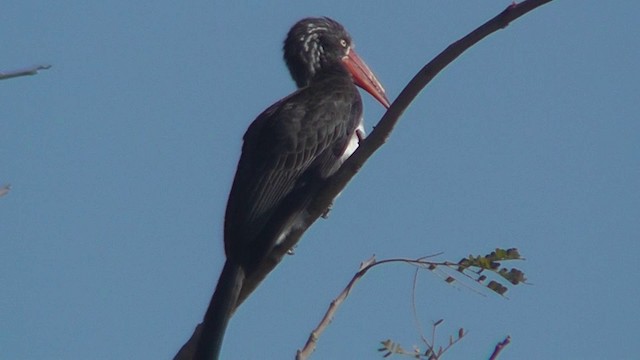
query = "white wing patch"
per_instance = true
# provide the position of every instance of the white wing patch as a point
(354, 142)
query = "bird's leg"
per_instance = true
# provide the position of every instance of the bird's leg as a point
(325, 214)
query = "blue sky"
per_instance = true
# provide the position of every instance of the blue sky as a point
(122, 154)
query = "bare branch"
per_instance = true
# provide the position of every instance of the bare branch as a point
(499, 346)
(23, 72)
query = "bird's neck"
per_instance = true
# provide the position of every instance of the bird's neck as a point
(330, 72)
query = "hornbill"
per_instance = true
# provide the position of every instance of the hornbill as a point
(289, 150)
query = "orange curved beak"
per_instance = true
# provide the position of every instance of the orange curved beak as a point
(364, 77)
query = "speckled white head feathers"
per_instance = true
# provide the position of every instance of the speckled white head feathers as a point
(312, 43)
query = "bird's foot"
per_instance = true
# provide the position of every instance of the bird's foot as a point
(292, 251)
(325, 214)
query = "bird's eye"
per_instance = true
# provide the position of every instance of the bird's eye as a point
(343, 43)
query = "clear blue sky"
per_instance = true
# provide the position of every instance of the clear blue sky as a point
(121, 157)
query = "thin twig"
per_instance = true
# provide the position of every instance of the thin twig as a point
(414, 307)
(310, 346)
(499, 346)
(23, 72)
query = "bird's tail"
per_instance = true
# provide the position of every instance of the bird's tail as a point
(220, 309)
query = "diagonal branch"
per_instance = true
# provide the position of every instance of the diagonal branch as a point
(382, 131)
(310, 345)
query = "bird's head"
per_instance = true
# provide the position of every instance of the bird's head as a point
(313, 43)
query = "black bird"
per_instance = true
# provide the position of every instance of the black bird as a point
(288, 152)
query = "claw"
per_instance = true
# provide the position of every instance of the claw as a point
(325, 214)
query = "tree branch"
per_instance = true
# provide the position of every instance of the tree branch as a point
(23, 72)
(381, 132)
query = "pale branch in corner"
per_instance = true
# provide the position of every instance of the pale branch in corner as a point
(4, 190)
(33, 70)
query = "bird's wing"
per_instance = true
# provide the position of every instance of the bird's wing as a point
(287, 146)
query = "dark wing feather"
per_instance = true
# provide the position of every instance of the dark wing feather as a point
(292, 143)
